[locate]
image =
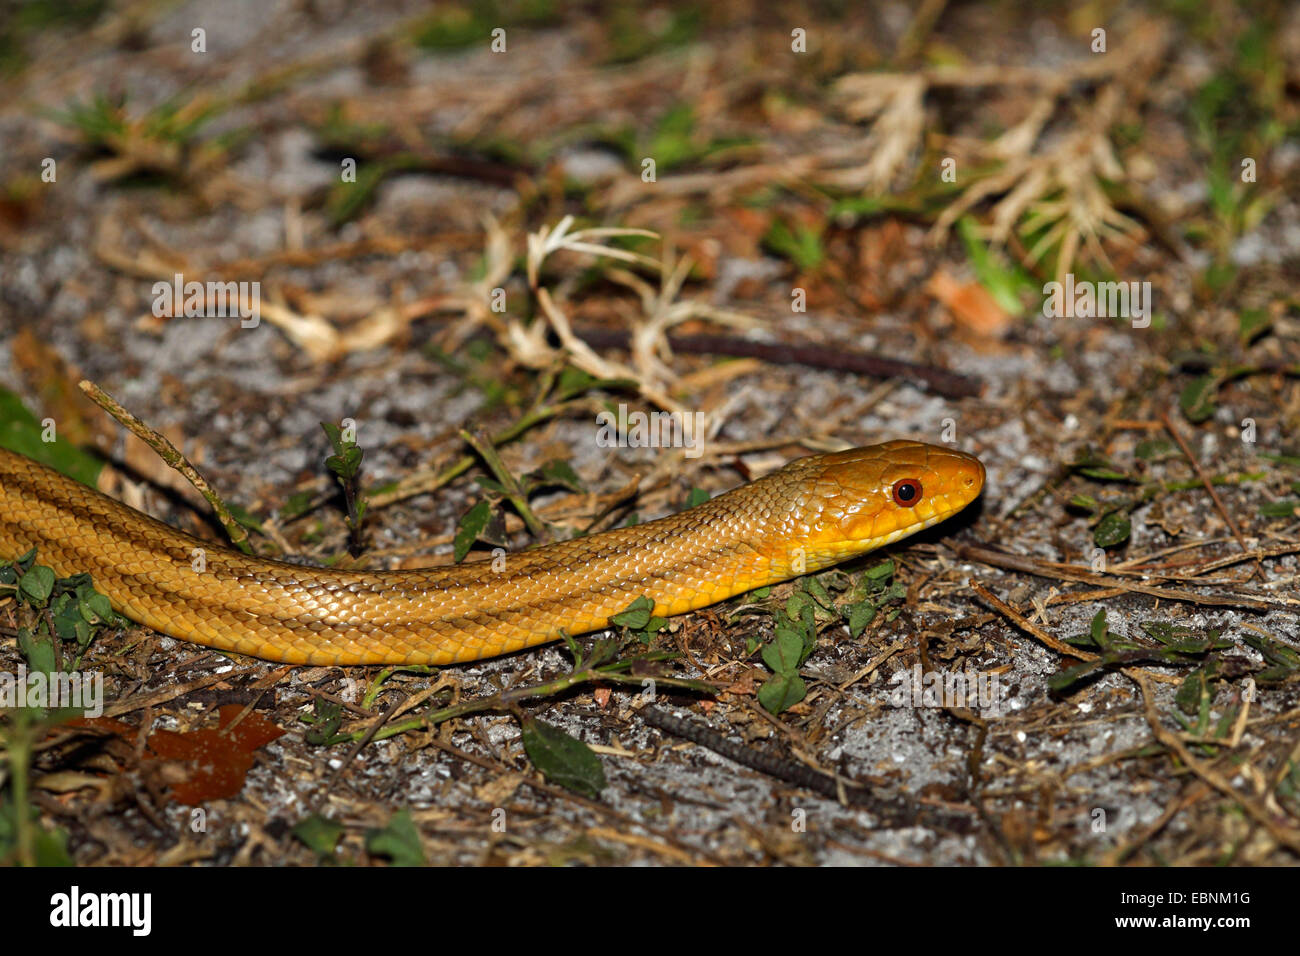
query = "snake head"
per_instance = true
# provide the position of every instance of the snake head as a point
(875, 495)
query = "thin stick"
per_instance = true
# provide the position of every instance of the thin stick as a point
(897, 810)
(1287, 836)
(941, 381)
(480, 442)
(507, 699)
(1026, 625)
(1205, 480)
(1018, 562)
(693, 853)
(172, 457)
(1059, 646)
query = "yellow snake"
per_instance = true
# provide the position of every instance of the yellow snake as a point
(809, 515)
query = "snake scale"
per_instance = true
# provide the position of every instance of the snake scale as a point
(812, 513)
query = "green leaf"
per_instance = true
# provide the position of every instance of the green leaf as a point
(781, 691)
(346, 460)
(399, 841)
(784, 652)
(1182, 639)
(1291, 461)
(22, 432)
(1283, 657)
(326, 718)
(1251, 323)
(1194, 688)
(558, 472)
(799, 607)
(245, 517)
(880, 571)
(94, 607)
(1287, 508)
(39, 651)
(1098, 631)
(1156, 449)
(69, 624)
(37, 583)
(297, 504)
(1197, 398)
(996, 273)
(346, 463)
(346, 199)
(491, 485)
(453, 27)
(1112, 529)
(1093, 465)
(1071, 675)
(319, 834)
(574, 381)
(697, 497)
(562, 759)
(637, 615)
(471, 526)
(49, 847)
(801, 245)
(861, 615)
(819, 592)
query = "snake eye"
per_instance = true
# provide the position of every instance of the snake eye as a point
(907, 492)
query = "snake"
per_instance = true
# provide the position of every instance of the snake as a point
(810, 514)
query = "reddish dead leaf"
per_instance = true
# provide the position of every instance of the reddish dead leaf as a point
(744, 687)
(219, 761)
(251, 733)
(741, 231)
(602, 697)
(970, 304)
(216, 761)
(54, 382)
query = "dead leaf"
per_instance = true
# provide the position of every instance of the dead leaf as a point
(970, 304)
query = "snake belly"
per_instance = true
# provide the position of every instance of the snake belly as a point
(806, 516)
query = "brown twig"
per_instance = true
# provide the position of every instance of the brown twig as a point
(939, 380)
(693, 854)
(1286, 835)
(171, 693)
(1059, 646)
(1026, 625)
(1256, 555)
(1042, 569)
(897, 811)
(1184, 799)
(1205, 480)
(172, 456)
(360, 745)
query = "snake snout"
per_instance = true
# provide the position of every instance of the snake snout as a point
(971, 475)
(964, 475)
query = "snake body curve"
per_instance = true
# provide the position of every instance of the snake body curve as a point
(809, 515)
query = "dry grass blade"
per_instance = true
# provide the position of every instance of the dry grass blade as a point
(895, 103)
(546, 242)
